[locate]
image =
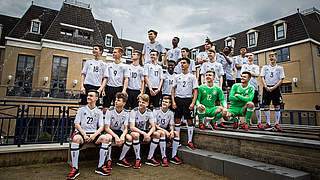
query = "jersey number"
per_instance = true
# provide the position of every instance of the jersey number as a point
(90, 120)
(115, 73)
(209, 96)
(163, 121)
(95, 69)
(134, 75)
(156, 73)
(271, 75)
(184, 84)
(116, 124)
(170, 82)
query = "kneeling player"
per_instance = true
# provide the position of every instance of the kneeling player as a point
(208, 94)
(116, 125)
(241, 95)
(165, 126)
(89, 124)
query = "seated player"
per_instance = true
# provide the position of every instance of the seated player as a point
(165, 126)
(241, 96)
(89, 124)
(116, 125)
(208, 94)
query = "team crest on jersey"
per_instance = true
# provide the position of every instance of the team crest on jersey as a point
(247, 91)
(204, 91)
(122, 119)
(84, 114)
(214, 92)
(112, 118)
(95, 115)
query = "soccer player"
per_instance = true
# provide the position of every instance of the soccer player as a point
(254, 70)
(174, 53)
(165, 126)
(240, 60)
(192, 68)
(89, 124)
(272, 76)
(153, 44)
(118, 75)
(153, 77)
(203, 56)
(136, 81)
(141, 118)
(212, 65)
(241, 95)
(208, 94)
(168, 79)
(93, 75)
(183, 95)
(116, 125)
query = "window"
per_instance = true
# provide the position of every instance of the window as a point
(256, 62)
(108, 40)
(286, 87)
(229, 43)
(252, 39)
(82, 34)
(280, 31)
(24, 73)
(67, 32)
(283, 55)
(129, 53)
(83, 62)
(318, 50)
(58, 76)
(35, 26)
(194, 55)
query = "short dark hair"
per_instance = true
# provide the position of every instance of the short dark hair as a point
(243, 47)
(247, 72)
(177, 38)
(99, 46)
(210, 71)
(153, 31)
(137, 51)
(122, 95)
(186, 49)
(186, 59)
(171, 61)
(209, 41)
(95, 92)
(153, 50)
(166, 98)
(212, 50)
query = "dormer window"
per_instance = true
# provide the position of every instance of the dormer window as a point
(280, 30)
(35, 26)
(129, 51)
(1, 30)
(252, 38)
(108, 41)
(194, 53)
(230, 41)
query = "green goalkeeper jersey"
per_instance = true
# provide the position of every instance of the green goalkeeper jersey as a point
(207, 96)
(244, 95)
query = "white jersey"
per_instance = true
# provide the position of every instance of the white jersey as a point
(229, 70)
(116, 74)
(163, 119)
(212, 66)
(252, 68)
(95, 71)
(272, 74)
(147, 47)
(174, 54)
(167, 83)
(220, 59)
(185, 83)
(90, 120)
(141, 120)
(116, 120)
(136, 76)
(241, 61)
(154, 74)
(192, 67)
(203, 55)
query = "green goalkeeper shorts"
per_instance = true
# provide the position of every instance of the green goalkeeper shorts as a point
(236, 111)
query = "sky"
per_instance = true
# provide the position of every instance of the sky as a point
(190, 20)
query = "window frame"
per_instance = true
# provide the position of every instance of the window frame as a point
(106, 40)
(280, 55)
(37, 21)
(54, 90)
(24, 80)
(286, 87)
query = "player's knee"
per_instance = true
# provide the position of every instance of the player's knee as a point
(156, 135)
(108, 137)
(177, 121)
(135, 135)
(128, 138)
(250, 104)
(77, 139)
(162, 134)
(176, 134)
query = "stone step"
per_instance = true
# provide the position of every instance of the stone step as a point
(238, 168)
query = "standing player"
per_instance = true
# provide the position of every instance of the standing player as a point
(272, 77)
(136, 81)
(254, 70)
(153, 44)
(118, 75)
(208, 94)
(116, 125)
(93, 75)
(89, 124)
(184, 95)
(240, 60)
(203, 56)
(168, 79)
(192, 68)
(212, 65)
(153, 78)
(165, 126)
(241, 95)
(174, 53)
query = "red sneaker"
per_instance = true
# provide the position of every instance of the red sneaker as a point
(246, 127)
(267, 126)
(176, 160)
(190, 146)
(164, 162)
(137, 165)
(152, 162)
(201, 126)
(221, 125)
(235, 125)
(259, 126)
(124, 163)
(213, 126)
(103, 171)
(109, 165)
(73, 174)
(277, 127)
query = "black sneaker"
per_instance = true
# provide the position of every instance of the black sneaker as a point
(176, 160)
(73, 174)
(152, 162)
(124, 163)
(103, 171)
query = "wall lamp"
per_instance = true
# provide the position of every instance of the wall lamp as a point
(75, 82)
(9, 78)
(295, 80)
(45, 80)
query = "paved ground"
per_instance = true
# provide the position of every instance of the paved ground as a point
(60, 171)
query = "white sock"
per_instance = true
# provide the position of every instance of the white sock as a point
(75, 154)
(109, 152)
(163, 146)
(267, 114)
(153, 145)
(136, 147)
(103, 154)
(125, 149)
(258, 114)
(175, 145)
(177, 127)
(190, 133)
(225, 94)
(277, 116)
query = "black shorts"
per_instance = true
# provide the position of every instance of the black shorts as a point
(118, 132)
(110, 97)
(238, 80)
(83, 97)
(274, 96)
(255, 99)
(132, 99)
(230, 83)
(94, 141)
(154, 100)
(183, 108)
